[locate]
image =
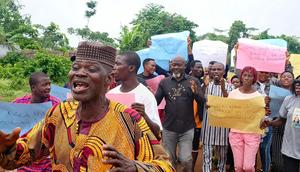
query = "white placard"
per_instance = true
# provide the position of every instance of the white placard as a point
(207, 50)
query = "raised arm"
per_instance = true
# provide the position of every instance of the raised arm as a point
(282, 116)
(155, 128)
(18, 151)
(198, 91)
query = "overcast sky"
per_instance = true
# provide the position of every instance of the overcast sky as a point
(281, 16)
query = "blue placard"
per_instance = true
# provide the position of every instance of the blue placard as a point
(276, 42)
(165, 47)
(25, 116)
(277, 96)
(59, 92)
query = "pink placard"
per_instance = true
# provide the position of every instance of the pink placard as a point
(162, 104)
(153, 84)
(123, 98)
(261, 56)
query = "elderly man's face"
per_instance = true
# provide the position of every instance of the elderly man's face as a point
(177, 67)
(89, 80)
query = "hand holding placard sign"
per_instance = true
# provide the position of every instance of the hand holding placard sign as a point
(276, 42)
(25, 116)
(207, 50)
(262, 56)
(165, 47)
(277, 95)
(243, 115)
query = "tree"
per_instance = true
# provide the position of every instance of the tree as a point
(263, 35)
(220, 31)
(17, 29)
(131, 40)
(153, 20)
(214, 37)
(26, 36)
(91, 11)
(5, 41)
(89, 35)
(52, 38)
(10, 17)
(86, 33)
(237, 30)
(293, 43)
(249, 31)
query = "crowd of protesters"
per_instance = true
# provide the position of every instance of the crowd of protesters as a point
(144, 137)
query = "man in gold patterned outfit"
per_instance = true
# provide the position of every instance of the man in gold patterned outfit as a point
(90, 133)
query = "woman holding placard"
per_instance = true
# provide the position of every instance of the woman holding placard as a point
(244, 144)
(288, 114)
(286, 80)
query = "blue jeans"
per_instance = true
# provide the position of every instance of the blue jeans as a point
(265, 151)
(184, 141)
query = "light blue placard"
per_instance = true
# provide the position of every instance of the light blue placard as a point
(277, 96)
(165, 47)
(59, 92)
(25, 116)
(277, 42)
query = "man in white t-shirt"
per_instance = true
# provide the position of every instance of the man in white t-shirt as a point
(125, 71)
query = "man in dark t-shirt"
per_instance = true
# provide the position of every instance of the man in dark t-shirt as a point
(180, 91)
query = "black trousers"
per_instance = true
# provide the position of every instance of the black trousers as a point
(196, 139)
(290, 164)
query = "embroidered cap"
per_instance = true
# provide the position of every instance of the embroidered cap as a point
(96, 51)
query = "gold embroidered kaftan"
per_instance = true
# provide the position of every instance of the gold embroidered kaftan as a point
(72, 150)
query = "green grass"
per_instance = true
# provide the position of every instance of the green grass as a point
(9, 92)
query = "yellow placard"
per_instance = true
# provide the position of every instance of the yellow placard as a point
(244, 115)
(295, 60)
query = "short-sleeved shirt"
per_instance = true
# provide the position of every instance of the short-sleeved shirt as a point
(27, 100)
(144, 95)
(290, 110)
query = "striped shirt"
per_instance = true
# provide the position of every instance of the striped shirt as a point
(214, 135)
